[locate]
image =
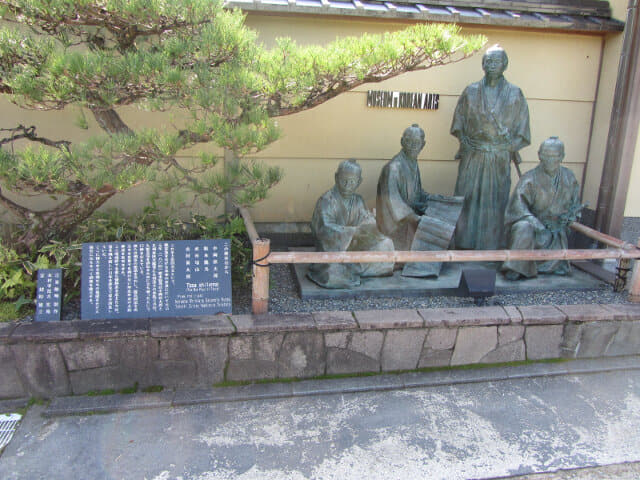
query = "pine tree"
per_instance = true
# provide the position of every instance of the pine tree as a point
(170, 55)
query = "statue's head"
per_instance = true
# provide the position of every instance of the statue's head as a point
(551, 154)
(348, 177)
(495, 61)
(413, 141)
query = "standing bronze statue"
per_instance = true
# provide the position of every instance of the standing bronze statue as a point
(412, 218)
(491, 122)
(543, 204)
(341, 222)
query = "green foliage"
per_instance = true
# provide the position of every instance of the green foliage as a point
(18, 271)
(113, 226)
(153, 389)
(8, 311)
(15, 282)
(188, 56)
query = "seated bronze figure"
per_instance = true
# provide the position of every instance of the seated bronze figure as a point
(342, 222)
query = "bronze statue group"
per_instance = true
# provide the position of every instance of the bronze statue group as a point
(491, 123)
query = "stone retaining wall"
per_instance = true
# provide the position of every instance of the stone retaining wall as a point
(63, 358)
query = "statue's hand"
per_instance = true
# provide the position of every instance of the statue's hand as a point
(517, 159)
(367, 229)
(538, 226)
(414, 217)
(420, 207)
(543, 237)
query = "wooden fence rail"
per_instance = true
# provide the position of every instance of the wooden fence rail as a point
(262, 258)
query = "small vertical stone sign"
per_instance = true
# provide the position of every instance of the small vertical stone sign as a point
(49, 295)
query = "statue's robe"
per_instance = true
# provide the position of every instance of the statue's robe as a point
(343, 224)
(399, 195)
(547, 199)
(489, 136)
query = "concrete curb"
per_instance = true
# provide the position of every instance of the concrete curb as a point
(82, 405)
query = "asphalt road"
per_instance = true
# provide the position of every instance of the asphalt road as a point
(481, 430)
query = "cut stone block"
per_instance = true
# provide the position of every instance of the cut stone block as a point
(241, 348)
(112, 328)
(209, 325)
(441, 338)
(402, 349)
(458, 317)
(571, 339)
(83, 355)
(44, 332)
(242, 370)
(624, 311)
(254, 357)
(543, 341)
(10, 385)
(586, 313)
(513, 313)
(384, 319)
(626, 341)
(595, 338)
(106, 378)
(510, 333)
(433, 317)
(208, 355)
(434, 358)
(541, 315)
(273, 323)
(367, 343)
(509, 352)
(347, 361)
(266, 347)
(334, 320)
(5, 330)
(136, 358)
(336, 339)
(42, 369)
(302, 355)
(473, 343)
(174, 373)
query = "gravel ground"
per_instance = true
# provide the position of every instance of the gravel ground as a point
(284, 298)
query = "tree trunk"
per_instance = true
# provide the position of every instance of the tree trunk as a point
(61, 220)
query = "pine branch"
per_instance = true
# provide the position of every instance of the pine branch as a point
(29, 133)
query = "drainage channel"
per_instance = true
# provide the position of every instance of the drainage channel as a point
(8, 424)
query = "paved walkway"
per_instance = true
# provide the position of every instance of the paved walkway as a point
(489, 426)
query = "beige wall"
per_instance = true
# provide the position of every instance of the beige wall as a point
(558, 73)
(611, 48)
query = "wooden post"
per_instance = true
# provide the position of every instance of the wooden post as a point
(634, 289)
(260, 284)
(624, 264)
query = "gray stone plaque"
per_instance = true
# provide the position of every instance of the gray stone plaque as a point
(49, 295)
(156, 279)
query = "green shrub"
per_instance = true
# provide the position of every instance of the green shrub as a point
(18, 271)
(151, 225)
(15, 282)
